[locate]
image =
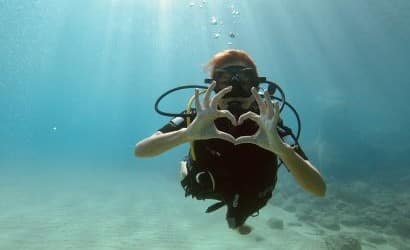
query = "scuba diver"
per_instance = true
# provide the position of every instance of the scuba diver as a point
(237, 138)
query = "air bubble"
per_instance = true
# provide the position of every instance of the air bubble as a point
(214, 21)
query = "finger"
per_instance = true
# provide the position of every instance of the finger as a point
(225, 136)
(217, 98)
(269, 104)
(227, 114)
(276, 117)
(258, 99)
(197, 103)
(249, 115)
(208, 94)
(244, 139)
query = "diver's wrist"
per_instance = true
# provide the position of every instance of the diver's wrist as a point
(185, 135)
(283, 149)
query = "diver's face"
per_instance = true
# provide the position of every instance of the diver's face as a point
(237, 104)
(242, 78)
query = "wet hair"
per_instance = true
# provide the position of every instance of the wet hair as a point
(229, 56)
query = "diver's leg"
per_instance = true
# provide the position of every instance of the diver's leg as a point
(244, 229)
(237, 213)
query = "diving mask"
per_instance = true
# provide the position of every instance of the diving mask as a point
(241, 78)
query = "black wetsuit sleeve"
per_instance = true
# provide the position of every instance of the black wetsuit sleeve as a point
(177, 123)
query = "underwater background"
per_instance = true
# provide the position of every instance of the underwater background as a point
(78, 83)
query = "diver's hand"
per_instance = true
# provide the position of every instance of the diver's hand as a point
(203, 127)
(267, 135)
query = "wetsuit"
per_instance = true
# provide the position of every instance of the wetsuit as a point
(244, 175)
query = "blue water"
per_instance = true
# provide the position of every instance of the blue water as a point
(78, 80)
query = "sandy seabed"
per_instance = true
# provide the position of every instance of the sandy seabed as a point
(114, 208)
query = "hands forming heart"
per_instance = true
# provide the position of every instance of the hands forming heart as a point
(267, 136)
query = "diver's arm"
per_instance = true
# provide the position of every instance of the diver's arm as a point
(268, 138)
(160, 142)
(201, 128)
(303, 171)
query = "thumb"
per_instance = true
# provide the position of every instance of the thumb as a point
(225, 136)
(245, 139)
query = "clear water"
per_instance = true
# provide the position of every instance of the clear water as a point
(78, 80)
